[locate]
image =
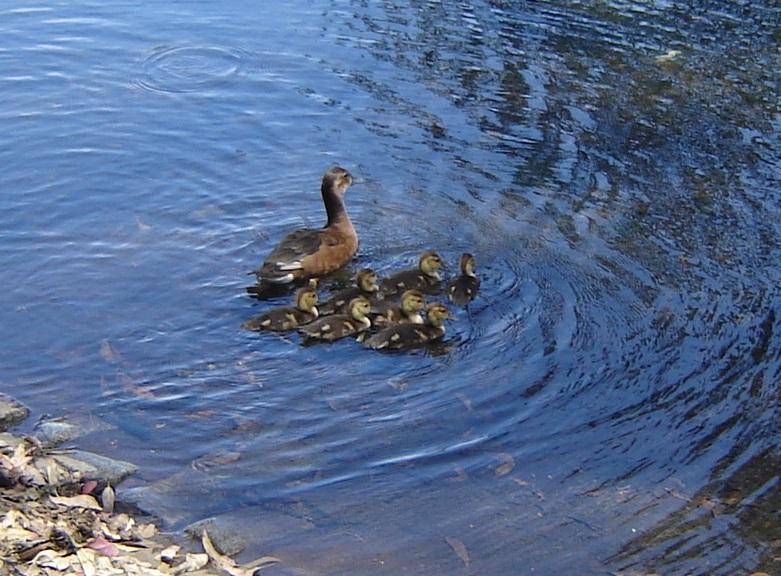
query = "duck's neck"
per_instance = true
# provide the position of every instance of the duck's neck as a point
(334, 208)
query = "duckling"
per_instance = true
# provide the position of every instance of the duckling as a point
(365, 285)
(399, 336)
(408, 312)
(338, 326)
(288, 317)
(463, 289)
(309, 252)
(425, 277)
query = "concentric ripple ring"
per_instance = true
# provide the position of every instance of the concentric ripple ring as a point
(189, 68)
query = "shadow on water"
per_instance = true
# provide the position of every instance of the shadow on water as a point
(610, 400)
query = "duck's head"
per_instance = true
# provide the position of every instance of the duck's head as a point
(430, 263)
(437, 313)
(336, 181)
(359, 308)
(306, 300)
(412, 301)
(366, 280)
(467, 264)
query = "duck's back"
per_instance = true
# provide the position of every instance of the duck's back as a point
(332, 327)
(280, 320)
(399, 336)
(463, 289)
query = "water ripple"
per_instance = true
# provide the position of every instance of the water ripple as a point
(178, 69)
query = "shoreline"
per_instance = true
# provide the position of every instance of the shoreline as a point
(58, 513)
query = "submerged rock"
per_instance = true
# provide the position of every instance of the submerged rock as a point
(55, 431)
(229, 531)
(12, 412)
(95, 467)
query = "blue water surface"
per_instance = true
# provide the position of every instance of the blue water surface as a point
(610, 399)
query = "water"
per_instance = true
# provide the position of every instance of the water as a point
(611, 399)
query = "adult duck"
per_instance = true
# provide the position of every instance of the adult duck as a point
(309, 252)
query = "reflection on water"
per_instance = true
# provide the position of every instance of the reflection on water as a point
(610, 400)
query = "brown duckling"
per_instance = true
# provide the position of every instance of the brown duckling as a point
(399, 336)
(463, 289)
(336, 326)
(309, 252)
(365, 285)
(288, 317)
(407, 312)
(425, 277)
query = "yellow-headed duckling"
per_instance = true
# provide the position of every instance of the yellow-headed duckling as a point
(336, 326)
(407, 312)
(398, 336)
(463, 289)
(425, 277)
(365, 285)
(288, 317)
(309, 252)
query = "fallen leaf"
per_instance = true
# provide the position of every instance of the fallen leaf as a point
(466, 401)
(51, 559)
(103, 546)
(261, 563)
(109, 353)
(107, 498)
(80, 501)
(227, 564)
(669, 56)
(209, 461)
(89, 486)
(168, 555)
(460, 549)
(132, 387)
(87, 561)
(507, 466)
(460, 476)
(192, 562)
(146, 530)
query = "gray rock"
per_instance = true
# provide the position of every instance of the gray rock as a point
(12, 412)
(58, 430)
(231, 531)
(96, 467)
(8, 440)
(175, 500)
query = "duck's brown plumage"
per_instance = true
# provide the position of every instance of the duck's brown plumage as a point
(365, 285)
(308, 252)
(336, 326)
(463, 289)
(288, 317)
(425, 277)
(398, 336)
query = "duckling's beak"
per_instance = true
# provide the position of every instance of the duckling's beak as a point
(358, 180)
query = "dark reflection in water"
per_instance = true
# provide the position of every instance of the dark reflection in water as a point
(611, 399)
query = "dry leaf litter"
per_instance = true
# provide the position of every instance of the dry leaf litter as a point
(54, 522)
